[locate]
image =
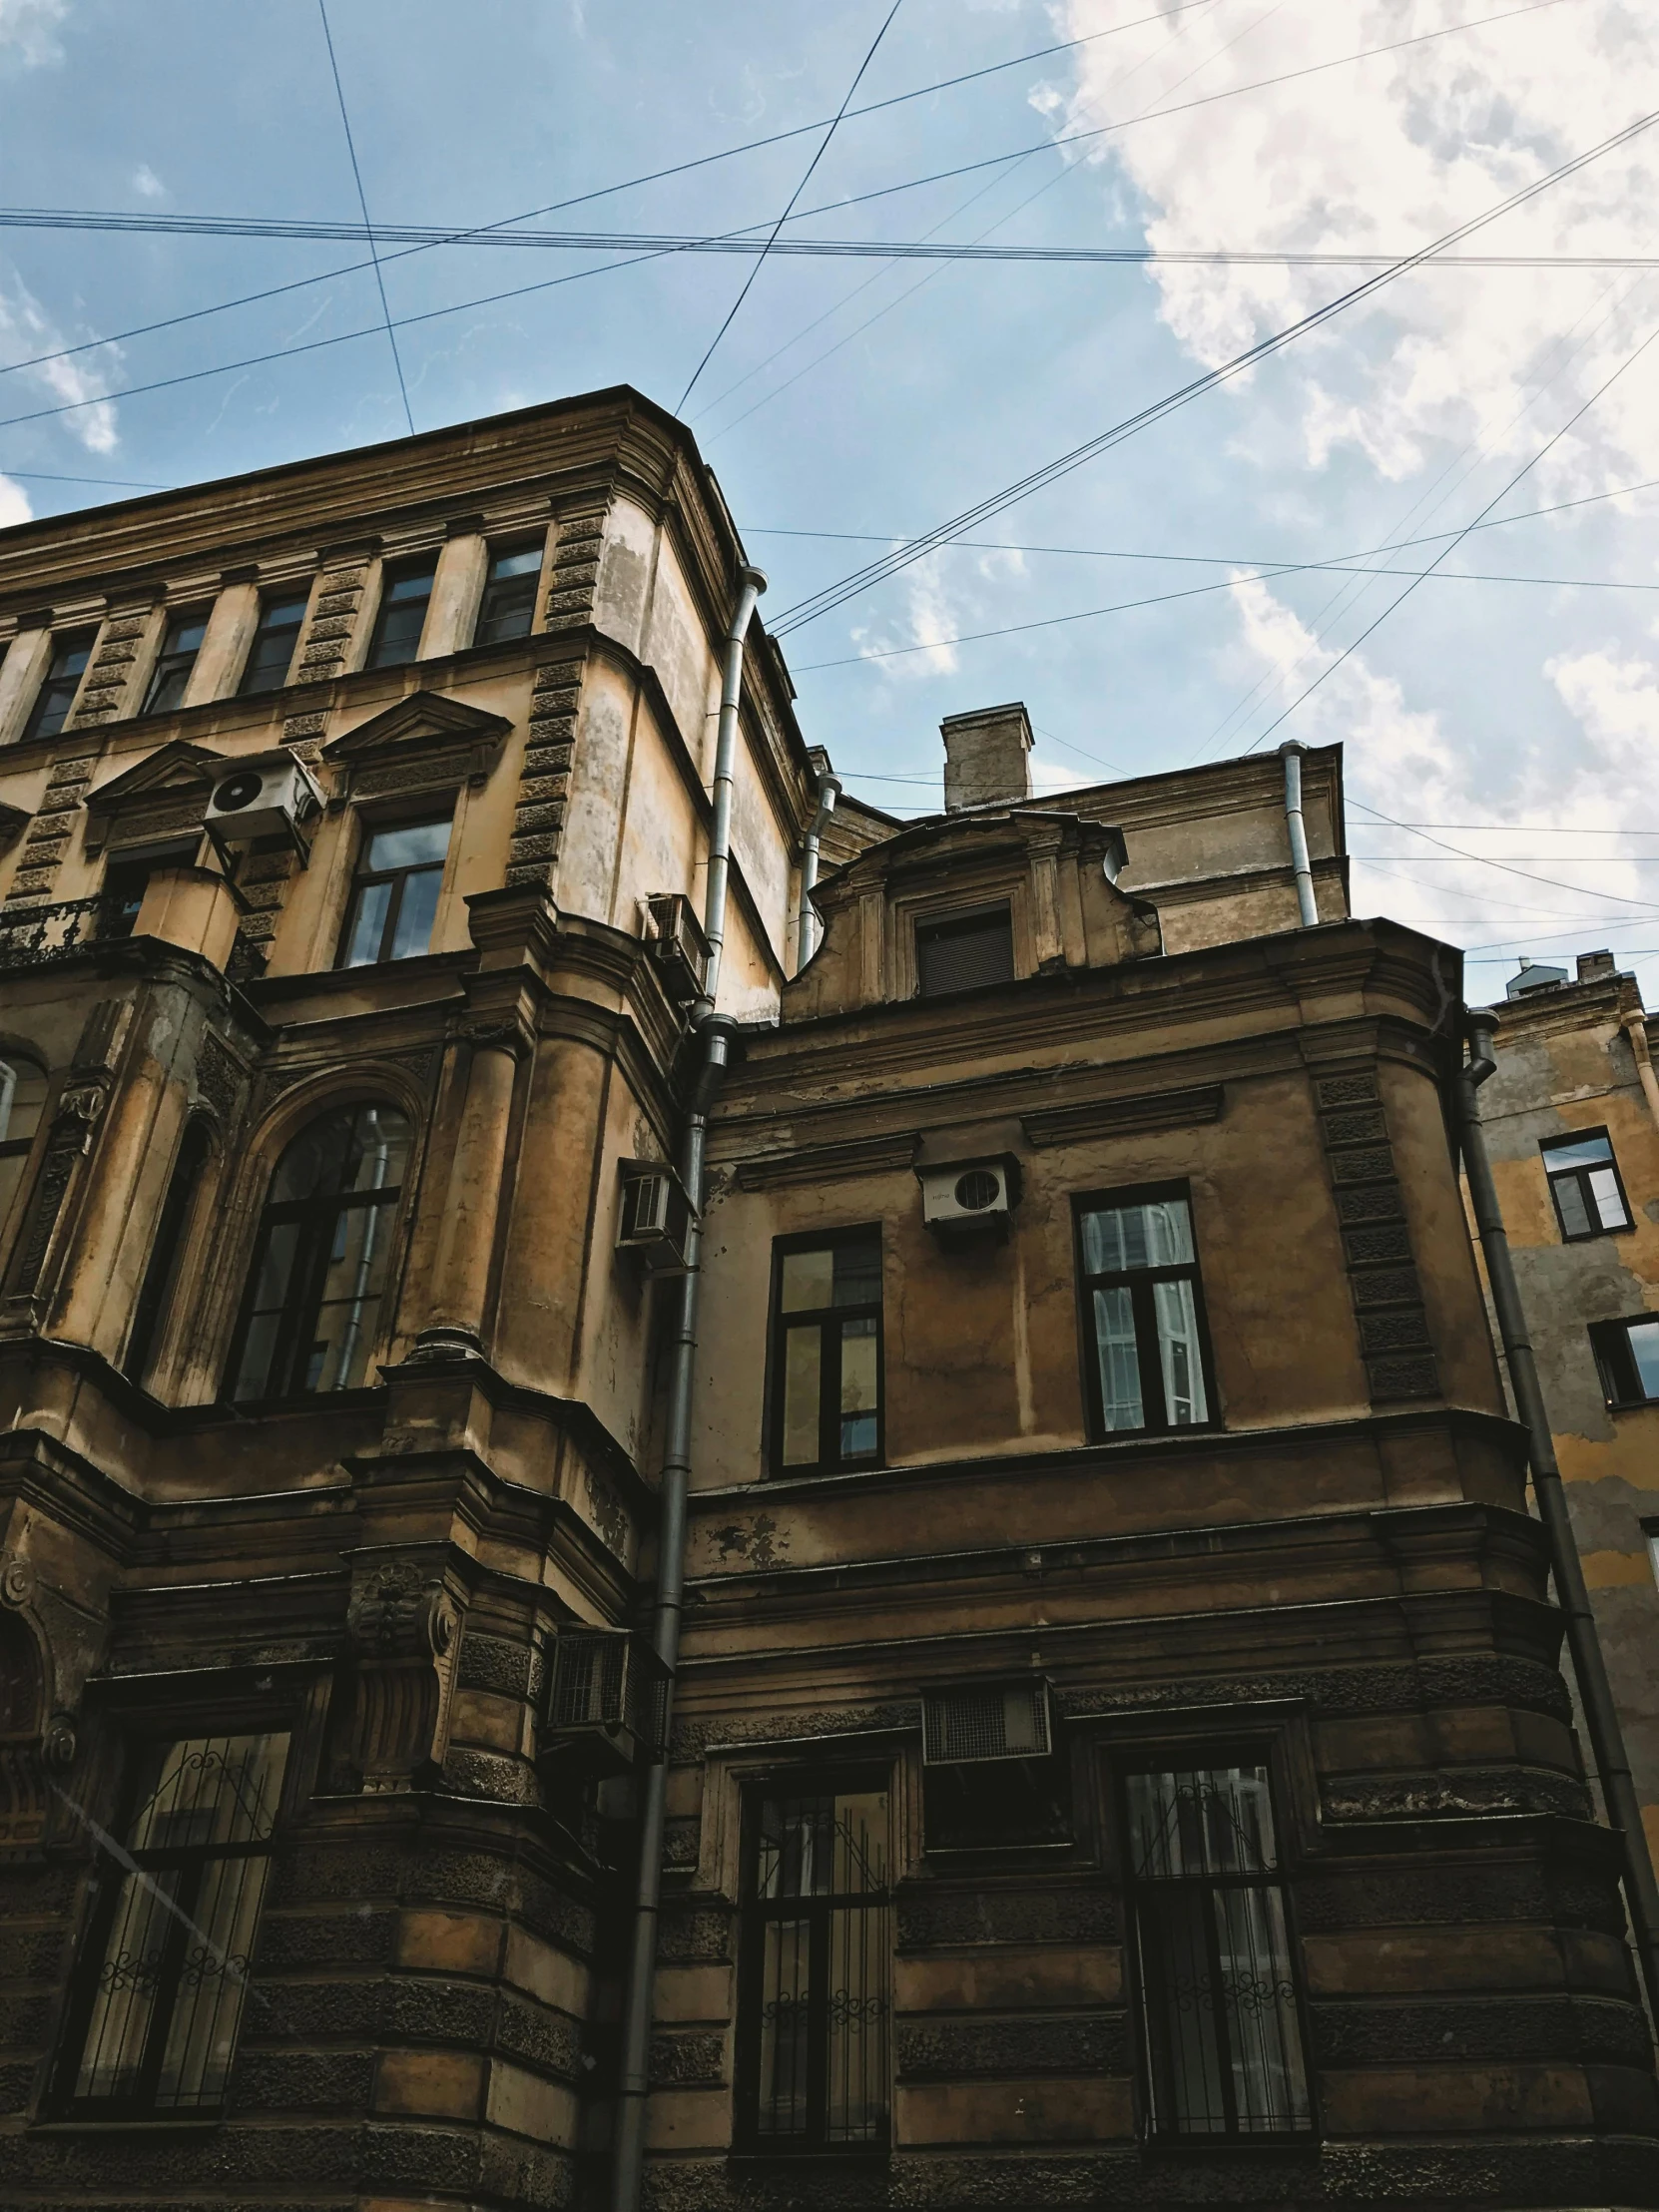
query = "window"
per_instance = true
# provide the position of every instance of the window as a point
(827, 1352)
(156, 1291)
(510, 602)
(321, 1262)
(172, 1930)
(180, 645)
(1627, 1356)
(281, 618)
(1149, 1367)
(963, 954)
(56, 696)
(394, 900)
(1584, 1183)
(18, 1124)
(397, 627)
(813, 2007)
(1217, 2001)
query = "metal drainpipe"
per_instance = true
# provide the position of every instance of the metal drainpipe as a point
(1634, 1025)
(1291, 752)
(1595, 1693)
(828, 791)
(714, 1032)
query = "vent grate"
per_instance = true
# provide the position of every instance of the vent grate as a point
(998, 1720)
(964, 955)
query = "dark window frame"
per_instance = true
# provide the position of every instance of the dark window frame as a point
(932, 928)
(365, 878)
(391, 575)
(1139, 1281)
(164, 1267)
(507, 586)
(63, 643)
(828, 1318)
(1616, 1362)
(146, 1734)
(247, 688)
(318, 1216)
(169, 664)
(1580, 1176)
(1186, 1757)
(793, 1785)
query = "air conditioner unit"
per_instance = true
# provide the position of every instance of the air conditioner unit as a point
(679, 947)
(264, 794)
(986, 1721)
(607, 1703)
(657, 1216)
(970, 1197)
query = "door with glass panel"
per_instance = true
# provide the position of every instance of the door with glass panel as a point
(1148, 1363)
(1221, 2028)
(814, 2008)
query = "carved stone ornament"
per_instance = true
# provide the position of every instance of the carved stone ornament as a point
(60, 1745)
(492, 1033)
(17, 1580)
(397, 1612)
(402, 1625)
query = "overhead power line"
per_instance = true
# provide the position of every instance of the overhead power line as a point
(772, 236)
(362, 202)
(835, 595)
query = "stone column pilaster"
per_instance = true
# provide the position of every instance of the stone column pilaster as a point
(460, 1275)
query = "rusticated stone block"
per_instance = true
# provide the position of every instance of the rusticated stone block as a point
(1386, 1286)
(529, 819)
(1374, 1202)
(1358, 1089)
(491, 1663)
(526, 849)
(551, 2042)
(968, 2050)
(1404, 1332)
(696, 1935)
(1363, 1164)
(289, 1939)
(929, 1918)
(1392, 1379)
(304, 2081)
(1364, 1246)
(686, 2056)
(1510, 2029)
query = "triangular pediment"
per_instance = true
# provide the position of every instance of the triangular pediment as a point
(172, 768)
(424, 742)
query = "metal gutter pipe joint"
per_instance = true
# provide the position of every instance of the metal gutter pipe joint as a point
(751, 584)
(828, 791)
(1291, 752)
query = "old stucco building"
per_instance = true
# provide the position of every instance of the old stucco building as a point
(1116, 1749)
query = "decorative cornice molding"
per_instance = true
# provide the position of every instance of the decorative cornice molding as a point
(1117, 1117)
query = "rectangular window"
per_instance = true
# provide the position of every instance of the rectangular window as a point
(1584, 1183)
(814, 2005)
(394, 900)
(405, 592)
(172, 1930)
(55, 700)
(1627, 1356)
(827, 1353)
(962, 955)
(1149, 1366)
(509, 604)
(1222, 2040)
(271, 656)
(180, 645)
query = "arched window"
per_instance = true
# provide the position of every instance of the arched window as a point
(156, 1291)
(318, 1278)
(19, 1121)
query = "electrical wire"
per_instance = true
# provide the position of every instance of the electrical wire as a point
(823, 147)
(362, 202)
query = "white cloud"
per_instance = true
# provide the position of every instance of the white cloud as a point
(27, 331)
(1382, 156)
(948, 594)
(14, 503)
(147, 184)
(26, 28)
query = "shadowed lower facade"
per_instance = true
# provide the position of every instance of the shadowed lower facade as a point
(1117, 1751)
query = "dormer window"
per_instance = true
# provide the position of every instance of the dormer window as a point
(964, 953)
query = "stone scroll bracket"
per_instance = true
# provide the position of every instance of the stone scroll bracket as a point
(403, 1626)
(1376, 1245)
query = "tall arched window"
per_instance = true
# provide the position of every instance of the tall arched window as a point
(22, 1098)
(319, 1272)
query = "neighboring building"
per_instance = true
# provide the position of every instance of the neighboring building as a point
(1118, 1752)
(1572, 1125)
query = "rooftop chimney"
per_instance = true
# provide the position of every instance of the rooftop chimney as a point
(1592, 966)
(987, 756)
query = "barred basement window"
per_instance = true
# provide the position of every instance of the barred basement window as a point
(1218, 2001)
(962, 955)
(813, 2017)
(173, 1932)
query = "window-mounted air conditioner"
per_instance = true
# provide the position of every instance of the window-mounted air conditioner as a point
(657, 1216)
(970, 1197)
(264, 794)
(985, 1721)
(678, 946)
(607, 1702)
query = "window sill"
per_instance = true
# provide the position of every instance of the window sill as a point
(747, 2158)
(1304, 2141)
(1631, 1404)
(150, 2123)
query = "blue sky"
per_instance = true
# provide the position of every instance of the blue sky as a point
(1519, 720)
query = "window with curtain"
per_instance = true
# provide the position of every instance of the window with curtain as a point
(18, 1125)
(179, 647)
(161, 1273)
(1149, 1366)
(406, 591)
(271, 656)
(321, 1259)
(827, 1352)
(508, 606)
(394, 897)
(172, 1936)
(814, 2016)
(1220, 2029)
(55, 700)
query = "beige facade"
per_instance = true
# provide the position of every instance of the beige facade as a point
(1117, 1750)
